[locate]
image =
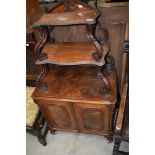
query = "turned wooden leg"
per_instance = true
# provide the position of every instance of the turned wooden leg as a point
(117, 143)
(42, 133)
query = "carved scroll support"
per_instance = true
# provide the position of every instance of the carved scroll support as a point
(42, 85)
(102, 76)
(97, 55)
(105, 32)
(44, 32)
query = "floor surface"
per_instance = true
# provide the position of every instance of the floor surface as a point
(68, 143)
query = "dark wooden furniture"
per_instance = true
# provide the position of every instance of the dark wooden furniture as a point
(35, 122)
(77, 92)
(114, 19)
(32, 12)
(74, 100)
(122, 123)
(39, 129)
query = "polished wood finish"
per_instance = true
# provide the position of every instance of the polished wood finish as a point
(74, 100)
(98, 55)
(121, 132)
(76, 83)
(125, 60)
(93, 118)
(71, 54)
(77, 17)
(114, 19)
(68, 13)
(119, 121)
(59, 114)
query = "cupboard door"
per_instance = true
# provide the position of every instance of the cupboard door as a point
(93, 118)
(59, 115)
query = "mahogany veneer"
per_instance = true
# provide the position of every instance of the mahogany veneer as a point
(72, 54)
(74, 100)
(67, 14)
(77, 17)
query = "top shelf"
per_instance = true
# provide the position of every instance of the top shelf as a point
(67, 18)
(77, 13)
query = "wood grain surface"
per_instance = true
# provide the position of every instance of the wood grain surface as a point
(77, 84)
(69, 13)
(72, 54)
(67, 18)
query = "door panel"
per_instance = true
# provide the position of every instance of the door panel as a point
(93, 118)
(59, 115)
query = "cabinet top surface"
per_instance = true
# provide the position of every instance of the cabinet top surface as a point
(68, 14)
(76, 84)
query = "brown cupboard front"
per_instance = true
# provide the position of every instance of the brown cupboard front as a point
(78, 117)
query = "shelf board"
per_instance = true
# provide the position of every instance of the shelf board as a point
(77, 84)
(67, 18)
(71, 54)
(73, 13)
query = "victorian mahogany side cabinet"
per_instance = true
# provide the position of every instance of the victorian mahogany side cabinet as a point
(76, 89)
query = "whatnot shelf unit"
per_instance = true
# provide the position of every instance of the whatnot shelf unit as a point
(76, 90)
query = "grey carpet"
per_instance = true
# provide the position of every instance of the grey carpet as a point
(68, 143)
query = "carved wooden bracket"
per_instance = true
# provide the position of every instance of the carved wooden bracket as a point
(43, 73)
(106, 83)
(105, 32)
(97, 55)
(45, 35)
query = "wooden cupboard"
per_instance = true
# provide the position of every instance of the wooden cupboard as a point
(74, 100)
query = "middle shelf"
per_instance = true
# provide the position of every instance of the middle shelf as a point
(72, 54)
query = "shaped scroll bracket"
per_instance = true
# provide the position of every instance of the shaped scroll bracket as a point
(44, 32)
(97, 55)
(105, 38)
(39, 82)
(106, 84)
